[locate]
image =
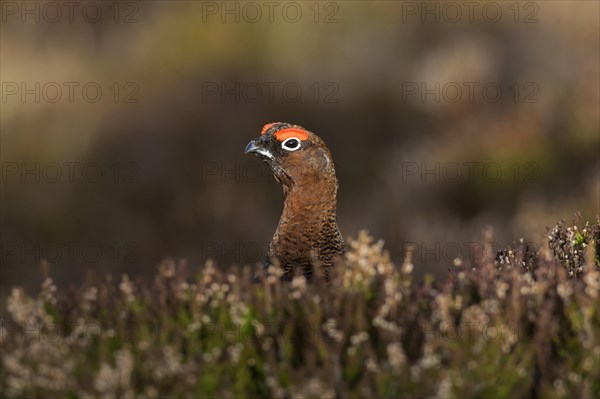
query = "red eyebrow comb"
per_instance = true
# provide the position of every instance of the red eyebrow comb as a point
(266, 127)
(283, 134)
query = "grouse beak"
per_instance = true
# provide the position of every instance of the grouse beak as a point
(253, 147)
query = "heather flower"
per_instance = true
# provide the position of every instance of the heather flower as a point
(396, 356)
(89, 298)
(592, 281)
(169, 365)
(107, 380)
(127, 288)
(330, 328)
(48, 291)
(444, 390)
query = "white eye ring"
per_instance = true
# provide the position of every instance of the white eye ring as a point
(291, 144)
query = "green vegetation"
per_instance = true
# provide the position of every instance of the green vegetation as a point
(515, 325)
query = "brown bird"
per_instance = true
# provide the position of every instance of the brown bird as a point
(307, 234)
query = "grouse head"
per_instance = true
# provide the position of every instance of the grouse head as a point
(307, 233)
(296, 156)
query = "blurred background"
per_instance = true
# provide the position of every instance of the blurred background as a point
(123, 126)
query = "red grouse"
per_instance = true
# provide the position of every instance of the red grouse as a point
(307, 234)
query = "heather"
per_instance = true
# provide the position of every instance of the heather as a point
(510, 324)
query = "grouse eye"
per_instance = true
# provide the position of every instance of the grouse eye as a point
(291, 144)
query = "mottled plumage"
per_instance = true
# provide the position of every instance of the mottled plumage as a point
(307, 234)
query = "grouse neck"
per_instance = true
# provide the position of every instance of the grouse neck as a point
(310, 201)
